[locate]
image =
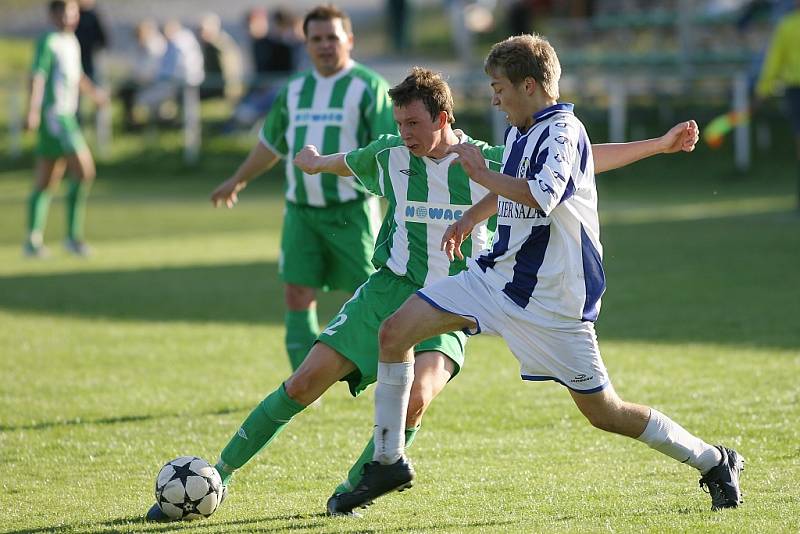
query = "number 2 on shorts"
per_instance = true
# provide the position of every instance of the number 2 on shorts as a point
(337, 322)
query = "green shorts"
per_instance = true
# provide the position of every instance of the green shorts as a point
(327, 248)
(59, 136)
(353, 333)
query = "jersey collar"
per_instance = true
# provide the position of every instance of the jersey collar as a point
(335, 76)
(448, 159)
(552, 110)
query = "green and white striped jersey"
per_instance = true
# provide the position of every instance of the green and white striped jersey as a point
(425, 196)
(58, 58)
(337, 114)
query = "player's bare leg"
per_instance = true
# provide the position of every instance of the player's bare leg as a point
(321, 369)
(415, 321)
(719, 466)
(432, 371)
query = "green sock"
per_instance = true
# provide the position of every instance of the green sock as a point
(261, 426)
(354, 475)
(302, 328)
(38, 205)
(76, 208)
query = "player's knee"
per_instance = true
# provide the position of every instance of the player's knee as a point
(388, 335)
(298, 297)
(607, 417)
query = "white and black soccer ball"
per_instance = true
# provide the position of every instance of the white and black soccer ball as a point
(188, 488)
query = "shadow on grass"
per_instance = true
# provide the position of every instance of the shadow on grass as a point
(318, 521)
(118, 420)
(730, 280)
(243, 293)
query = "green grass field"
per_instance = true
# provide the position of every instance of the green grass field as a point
(160, 344)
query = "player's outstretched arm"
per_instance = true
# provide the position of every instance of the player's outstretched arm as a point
(681, 137)
(258, 161)
(310, 161)
(457, 232)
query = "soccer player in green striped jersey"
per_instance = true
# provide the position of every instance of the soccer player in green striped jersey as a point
(425, 194)
(57, 78)
(330, 222)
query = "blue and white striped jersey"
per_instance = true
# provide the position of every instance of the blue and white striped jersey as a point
(551, 256)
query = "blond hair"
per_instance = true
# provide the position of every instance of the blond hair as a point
(526, 56)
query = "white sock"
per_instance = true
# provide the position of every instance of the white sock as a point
(391, 403)
(668, 437)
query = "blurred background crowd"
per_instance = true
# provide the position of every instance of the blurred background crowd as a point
(616, 53)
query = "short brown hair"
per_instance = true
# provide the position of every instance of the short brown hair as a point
(327, 12)
(57, 6)
(427, 86)
(524, 56)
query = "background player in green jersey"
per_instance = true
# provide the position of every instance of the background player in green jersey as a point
(55, 83)
(329, 225)
(347, 348)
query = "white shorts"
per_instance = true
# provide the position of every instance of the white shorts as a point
(548, 347)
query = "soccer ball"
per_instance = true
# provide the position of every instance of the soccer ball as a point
(188, 488)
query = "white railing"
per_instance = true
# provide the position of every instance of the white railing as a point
(617, 89)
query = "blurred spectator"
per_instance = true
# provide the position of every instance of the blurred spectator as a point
(468, 17)
(181, 66)
(274, 52)
(289, 31)
(524, 16)
(151, 46)
(462, 37)
(773, 10)
(397, 15)
(782, 65)
(92, 36)
(271, 54)
(222, 60)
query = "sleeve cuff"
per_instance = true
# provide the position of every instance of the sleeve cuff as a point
(263, 141)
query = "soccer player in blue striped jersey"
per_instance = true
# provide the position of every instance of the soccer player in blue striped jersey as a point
(539, 287)
(425, 193)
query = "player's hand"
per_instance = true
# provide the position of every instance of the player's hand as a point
(100, 97)
(681, 137)
(470, 158)
(32, 120)
(454, 236)
(306, 159)
(227, 193)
